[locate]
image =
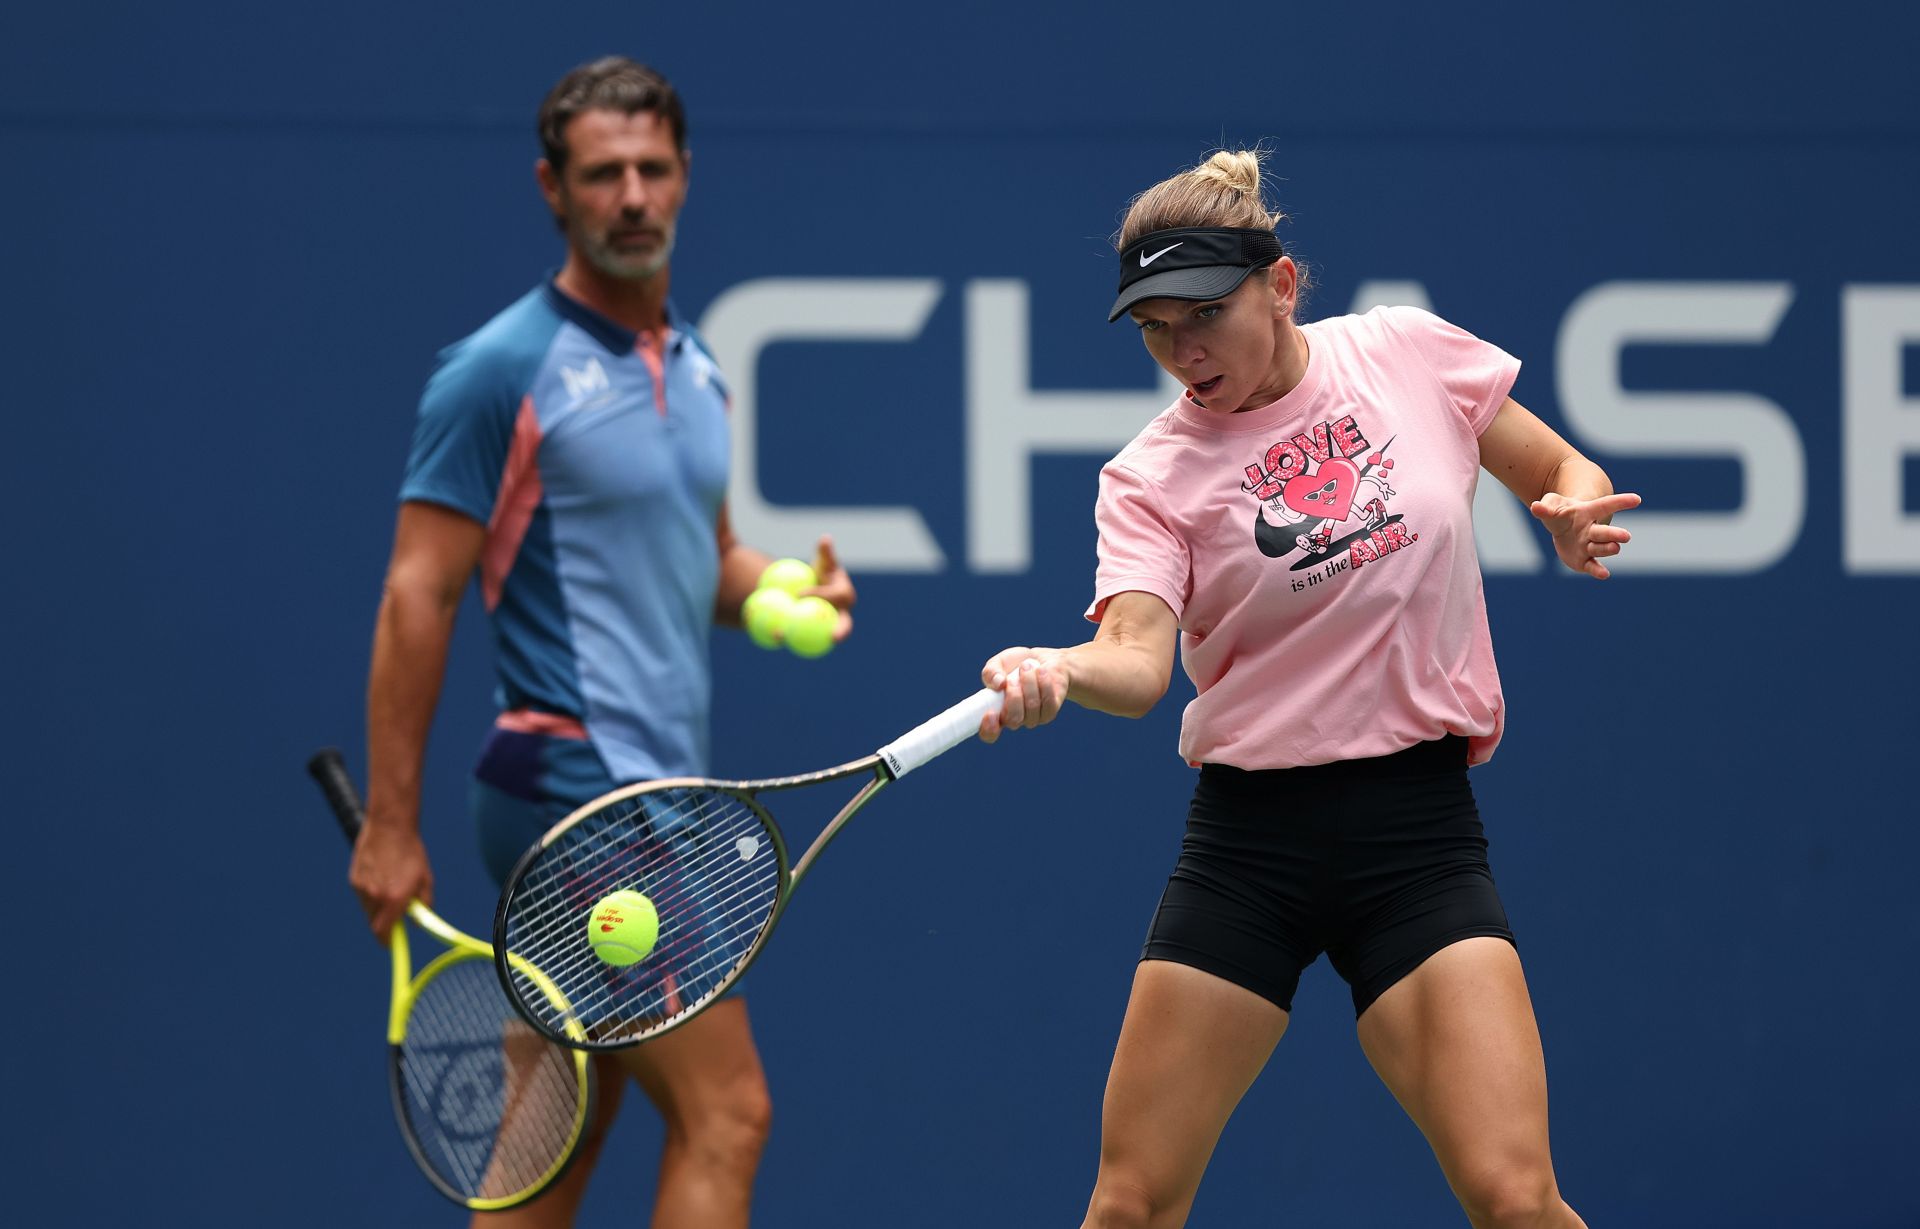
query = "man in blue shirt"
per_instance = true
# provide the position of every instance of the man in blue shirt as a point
(573, 453)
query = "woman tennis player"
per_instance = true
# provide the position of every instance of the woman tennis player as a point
(1302, 519)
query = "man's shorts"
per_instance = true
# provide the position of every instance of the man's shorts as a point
(1379, 863)
(531, 775)
(536, 769)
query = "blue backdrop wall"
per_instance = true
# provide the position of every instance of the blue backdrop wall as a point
(236, 235)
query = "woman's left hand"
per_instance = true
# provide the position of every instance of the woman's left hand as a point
(1581, 535)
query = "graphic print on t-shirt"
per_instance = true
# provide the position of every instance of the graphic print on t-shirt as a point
(1324, 493)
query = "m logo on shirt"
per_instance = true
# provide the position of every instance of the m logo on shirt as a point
(589, 379)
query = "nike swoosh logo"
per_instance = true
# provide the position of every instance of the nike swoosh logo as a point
(1146, 260)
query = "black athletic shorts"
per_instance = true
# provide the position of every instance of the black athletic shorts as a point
(1379, 863)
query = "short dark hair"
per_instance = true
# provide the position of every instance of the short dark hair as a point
(612, 83)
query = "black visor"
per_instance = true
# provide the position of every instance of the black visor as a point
(1191, 262)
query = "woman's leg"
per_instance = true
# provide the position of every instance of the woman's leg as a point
(1190, 1047)
(1455, 1042)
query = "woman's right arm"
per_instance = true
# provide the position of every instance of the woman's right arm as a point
(1123, 670)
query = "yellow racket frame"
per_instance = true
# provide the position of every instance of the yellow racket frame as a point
(407, 986)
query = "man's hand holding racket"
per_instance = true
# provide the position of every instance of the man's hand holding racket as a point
(389, 871)
(492, 1113)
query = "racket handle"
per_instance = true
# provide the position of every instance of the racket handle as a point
(942, 734)
(329, 769)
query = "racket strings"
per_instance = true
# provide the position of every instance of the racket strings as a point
(701, 939)
(710, 866)
(698, 940)
(492, 1105)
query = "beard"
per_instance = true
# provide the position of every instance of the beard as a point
(627, 265)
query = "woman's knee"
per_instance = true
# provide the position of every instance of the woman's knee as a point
(1509, 1196)
(1121, 1202)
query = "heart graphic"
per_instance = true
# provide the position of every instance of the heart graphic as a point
(1326, 493)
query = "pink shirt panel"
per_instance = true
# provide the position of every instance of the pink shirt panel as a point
(1318, 552)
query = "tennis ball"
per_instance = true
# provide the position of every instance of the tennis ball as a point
(623, 927)
(792, 575)
(765, 615)
(810, 626)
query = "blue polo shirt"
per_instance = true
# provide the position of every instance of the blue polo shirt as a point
(597, 459)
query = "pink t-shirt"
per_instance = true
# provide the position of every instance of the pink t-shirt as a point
(1318, 551)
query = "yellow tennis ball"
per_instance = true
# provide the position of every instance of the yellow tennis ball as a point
(810, 626)
(623, 928)
(792, 575)
(765, 616)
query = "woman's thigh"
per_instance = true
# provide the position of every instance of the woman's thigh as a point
(1190, 1046)
(1456, 1043)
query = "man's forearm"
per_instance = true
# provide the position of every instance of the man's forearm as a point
(740, 568)
(410, 640)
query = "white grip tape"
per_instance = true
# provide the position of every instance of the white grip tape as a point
(940, 735)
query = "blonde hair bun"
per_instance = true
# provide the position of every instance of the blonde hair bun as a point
(1226, 189)
(1237, 170)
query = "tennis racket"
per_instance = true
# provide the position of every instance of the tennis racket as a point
(715, 866)
(492, 1111)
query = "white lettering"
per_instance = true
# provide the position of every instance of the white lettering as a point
(1386, 292)
(1503, 531)
(753, 315)
(1881, 425)
(1750, 428)
(1008, 423)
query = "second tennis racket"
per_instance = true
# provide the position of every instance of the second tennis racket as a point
(492, 1112)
